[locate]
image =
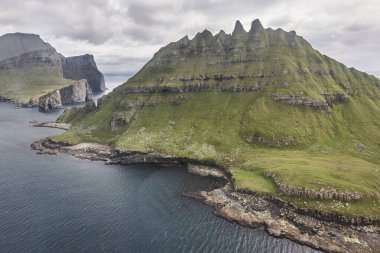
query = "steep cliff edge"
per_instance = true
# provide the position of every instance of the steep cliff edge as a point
(30, 68)
(78, 92)
(84, 66)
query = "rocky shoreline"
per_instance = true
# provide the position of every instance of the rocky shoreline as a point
(281, 221)
(325, 232)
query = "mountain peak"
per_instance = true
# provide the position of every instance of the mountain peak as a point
(206, 33)
(184, 39)
(256, 26)
(238, 28)
(15, 44)
(222, 32)
(202, 35)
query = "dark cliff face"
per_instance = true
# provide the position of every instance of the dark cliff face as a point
(84, 67)
(79, 91)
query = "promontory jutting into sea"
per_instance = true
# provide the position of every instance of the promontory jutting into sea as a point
(249, 141)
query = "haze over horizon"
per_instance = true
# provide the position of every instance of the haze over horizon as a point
(124, 35)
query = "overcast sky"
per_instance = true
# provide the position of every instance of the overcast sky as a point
(124, 34)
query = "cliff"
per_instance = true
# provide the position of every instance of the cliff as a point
(38, 58)
(84, 66)
(30, 68)
(50, 101)
(78, 92)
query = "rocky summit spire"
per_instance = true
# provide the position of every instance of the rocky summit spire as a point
(203, 35)
(206, 33)
(256, 26)
(238, 28)
(221, 33)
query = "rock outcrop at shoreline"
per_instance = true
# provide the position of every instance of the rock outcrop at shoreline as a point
(49, 102)
(205, 171)
(281, 221)
(322, 231)
(63, 126)
(80, 91)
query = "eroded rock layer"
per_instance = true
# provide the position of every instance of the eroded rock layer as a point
(80, 91)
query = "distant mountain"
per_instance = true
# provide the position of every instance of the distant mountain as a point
(16, 44)
(30, 68)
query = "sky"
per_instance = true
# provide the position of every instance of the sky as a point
(124, 34)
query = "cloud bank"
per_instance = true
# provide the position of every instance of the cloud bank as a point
(124, 34)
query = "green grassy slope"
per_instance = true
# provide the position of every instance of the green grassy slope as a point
(249, 132)
(22, 84)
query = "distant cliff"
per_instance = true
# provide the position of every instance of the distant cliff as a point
(31, 68)
(36, 58)
(84, 66)
(80, 91)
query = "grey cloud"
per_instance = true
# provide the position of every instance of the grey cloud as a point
(280, 21)
(80, 20)
(143, 34)
(124, 34)
(227, 6)
(118, 60)
(358, 27)
(148, 14)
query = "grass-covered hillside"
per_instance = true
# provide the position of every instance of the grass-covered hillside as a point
(23, 84)
(285, 119)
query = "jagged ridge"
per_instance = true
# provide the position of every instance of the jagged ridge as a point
(276, 61)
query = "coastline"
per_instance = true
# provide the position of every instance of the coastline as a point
(321, 231)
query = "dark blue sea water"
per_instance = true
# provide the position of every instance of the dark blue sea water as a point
(63, 204)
